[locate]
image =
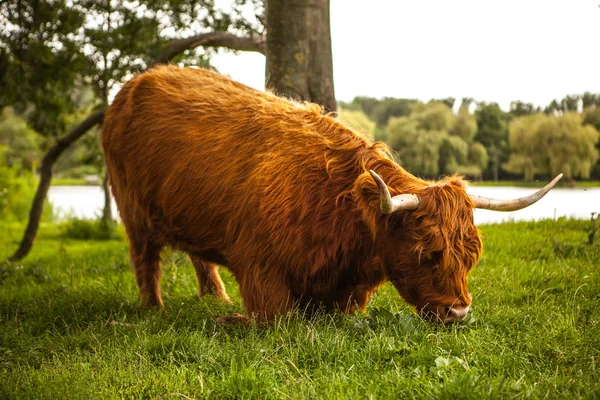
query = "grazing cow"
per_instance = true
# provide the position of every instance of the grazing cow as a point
(300, 208)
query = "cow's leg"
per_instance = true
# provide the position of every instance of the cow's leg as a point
(265, 297)
(209, 281)
(350, 299)
(145, 257)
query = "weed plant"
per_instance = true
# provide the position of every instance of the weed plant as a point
(71, 327)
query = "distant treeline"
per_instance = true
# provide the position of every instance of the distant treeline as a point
(481, 140)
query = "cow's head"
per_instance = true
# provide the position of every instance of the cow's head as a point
(427, 239)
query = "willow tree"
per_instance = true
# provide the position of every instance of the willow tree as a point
(547, 145)
(432, 141)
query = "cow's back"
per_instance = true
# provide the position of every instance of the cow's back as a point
(206, 161)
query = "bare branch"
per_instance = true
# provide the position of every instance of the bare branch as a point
(212, 39)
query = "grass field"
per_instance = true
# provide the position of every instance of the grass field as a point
(71, 327)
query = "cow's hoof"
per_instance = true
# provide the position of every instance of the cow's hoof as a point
(233, 320)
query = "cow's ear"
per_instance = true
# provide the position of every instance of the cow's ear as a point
(366, 191)
(457, 181)
(367, 198)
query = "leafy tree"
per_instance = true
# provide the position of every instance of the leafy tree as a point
(380, 110)
(432, 141)
(548, 145)
(390, 107)
(21, 143)
(569, 103)
(41, 38)
(590, 100)
(433, 116)
(448, 101)
(521, 138)
(478, 157)
(591, 116)
(358, 121)
(364, 103)
(492, 133)
(465, 124)
(519, 108)
(416, 147)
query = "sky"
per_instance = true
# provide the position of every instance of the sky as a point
(494, 51)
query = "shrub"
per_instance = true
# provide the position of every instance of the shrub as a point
(90, 229)
(17, 189)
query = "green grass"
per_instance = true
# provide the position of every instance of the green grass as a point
(69, 182)
(71, 327)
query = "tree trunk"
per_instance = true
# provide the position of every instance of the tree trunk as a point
(299, 60)
(495, 169)
(37, 207)
(107, 214)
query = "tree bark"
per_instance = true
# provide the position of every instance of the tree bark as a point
(37, 207)
(299, 58)
(211, 39)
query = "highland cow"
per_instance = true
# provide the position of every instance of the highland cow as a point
(300, 208)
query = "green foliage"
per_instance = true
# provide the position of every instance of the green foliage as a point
(478, 155)
(519, 108)
(417, 149)
(465, 125)
(361, 103)
(39, 42)
(72, 327)
(21, 143)
(390, 107)
(590, 100)
(432, 141)
(52, 49)
(448, 101)
(90, 229)
(568, 249)
(453, 153)
(492, 133)
(61, 59)
(591, 116)
(380, 110)
(358, 121)
(17, 189)
(548, 144)
(432, 116)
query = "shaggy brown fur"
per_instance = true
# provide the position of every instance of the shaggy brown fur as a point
(280, 194)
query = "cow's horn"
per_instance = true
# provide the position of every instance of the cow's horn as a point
(515, 204)
(389, 204)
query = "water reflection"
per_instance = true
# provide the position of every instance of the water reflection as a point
(87, 202)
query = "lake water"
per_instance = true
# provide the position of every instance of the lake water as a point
(87, 202)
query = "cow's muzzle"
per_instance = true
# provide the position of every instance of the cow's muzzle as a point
(455, 312)
(445, 314)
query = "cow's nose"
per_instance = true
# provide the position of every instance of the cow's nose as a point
(456, 313)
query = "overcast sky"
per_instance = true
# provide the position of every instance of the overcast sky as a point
(529, 50)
